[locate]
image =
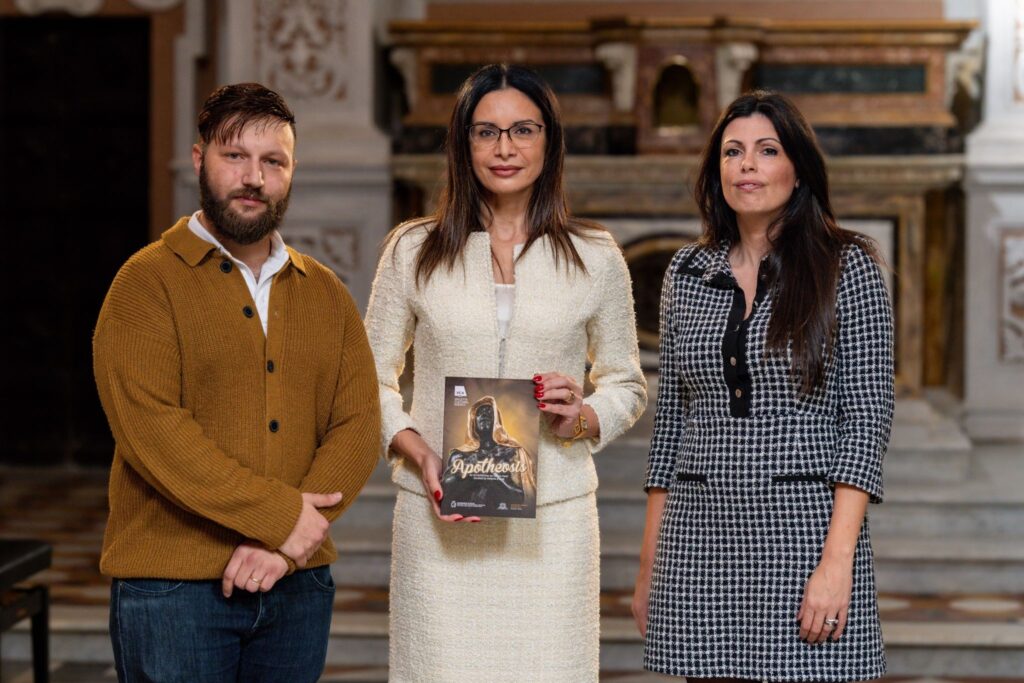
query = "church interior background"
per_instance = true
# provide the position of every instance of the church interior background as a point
(919, 105)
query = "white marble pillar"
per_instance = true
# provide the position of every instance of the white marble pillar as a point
(994, 366)
(320, 55)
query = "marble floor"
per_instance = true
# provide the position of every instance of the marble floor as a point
(104, 673)
(68, 509)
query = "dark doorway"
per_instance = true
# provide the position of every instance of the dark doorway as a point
(74, 180)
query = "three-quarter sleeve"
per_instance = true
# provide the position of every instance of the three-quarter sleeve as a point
(390, 323)
(620, 390)
(671, 407)
(864, 375)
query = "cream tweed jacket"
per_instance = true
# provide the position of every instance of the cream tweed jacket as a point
(562, 319)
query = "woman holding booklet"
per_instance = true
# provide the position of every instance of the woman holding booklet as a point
(501, 282)
(774, 407)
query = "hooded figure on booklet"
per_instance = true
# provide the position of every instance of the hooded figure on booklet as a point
(491, 467)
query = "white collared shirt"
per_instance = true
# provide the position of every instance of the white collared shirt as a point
(260, 291)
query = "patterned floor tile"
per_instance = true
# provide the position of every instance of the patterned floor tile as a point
(68, 509)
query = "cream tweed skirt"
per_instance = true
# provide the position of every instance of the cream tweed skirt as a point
(502, 601)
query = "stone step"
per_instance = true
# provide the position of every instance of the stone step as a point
(926, 444)
(990, 502)
(908, 564)
(921, 566)
(903, 512)
(910, 468)
(359, 640)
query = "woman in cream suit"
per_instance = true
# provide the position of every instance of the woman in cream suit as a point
(502, 282)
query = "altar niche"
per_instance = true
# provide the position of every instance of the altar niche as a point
(676, 98)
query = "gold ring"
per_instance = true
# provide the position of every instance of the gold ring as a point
(572, 396)
(256, 581)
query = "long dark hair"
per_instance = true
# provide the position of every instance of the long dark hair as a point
(806, 242)
(464, 197)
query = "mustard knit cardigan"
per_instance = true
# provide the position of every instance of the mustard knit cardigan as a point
(218, 428)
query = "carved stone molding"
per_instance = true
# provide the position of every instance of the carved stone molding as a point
(1011, 284)
(404, 59)
(732, 61)
(302, 46)
(620, 59)
(337, 247)
(83, 8)
(79, 8)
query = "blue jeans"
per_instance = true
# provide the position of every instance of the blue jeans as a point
(165, 631)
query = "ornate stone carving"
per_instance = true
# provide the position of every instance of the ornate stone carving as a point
(1011, 281)
(302, 47)
(404, 59)
(966, 71)
(79, 8)
(732, 61)
(336, 247)
(620, 59)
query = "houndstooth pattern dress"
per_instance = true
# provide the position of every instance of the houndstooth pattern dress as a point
(750, 465)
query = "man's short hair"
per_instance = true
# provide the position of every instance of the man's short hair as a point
(230, 108)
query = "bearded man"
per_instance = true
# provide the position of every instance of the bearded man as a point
(242, 396)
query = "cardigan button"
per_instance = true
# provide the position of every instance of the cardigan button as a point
(739, 393)
(274, 426)
(270, 366)
(248, 312)
(225, 266)
(732, 361)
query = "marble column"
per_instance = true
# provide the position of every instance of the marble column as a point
(320, 55)
(994, 366)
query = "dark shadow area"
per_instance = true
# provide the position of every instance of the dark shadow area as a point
(74, 184)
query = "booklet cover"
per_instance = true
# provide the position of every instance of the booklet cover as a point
(491, 433)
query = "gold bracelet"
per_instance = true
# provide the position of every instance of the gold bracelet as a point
(578, 430)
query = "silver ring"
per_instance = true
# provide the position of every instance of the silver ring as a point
(832, 622)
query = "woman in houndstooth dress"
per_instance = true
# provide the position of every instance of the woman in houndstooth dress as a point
(773, 415)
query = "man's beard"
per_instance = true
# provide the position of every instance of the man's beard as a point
(229, 222)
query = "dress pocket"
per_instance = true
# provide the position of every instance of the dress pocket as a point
(792, 478)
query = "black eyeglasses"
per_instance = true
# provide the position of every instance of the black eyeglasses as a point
(521, 135)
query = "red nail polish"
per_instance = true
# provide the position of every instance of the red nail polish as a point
(542, 405)
(536, 378)
(437, 496)
(538, 394)
(474, 520)
(458, 517)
